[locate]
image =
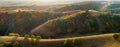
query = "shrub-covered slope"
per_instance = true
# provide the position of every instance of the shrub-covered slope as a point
(23, 22)
(79, 24)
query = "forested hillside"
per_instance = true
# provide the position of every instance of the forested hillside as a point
(79, 24)
(24, 22)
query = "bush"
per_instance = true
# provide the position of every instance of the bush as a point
(15, 44)
(116, 36)
(33, 41)
(8, 44)
(32, 36)
(68, 43)
(75, 42)
(26, 36)
(38, 37)
(14, 34)
(1, 45)
(11, 34)
(17, 35)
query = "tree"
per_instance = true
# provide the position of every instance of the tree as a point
(68, 43)
(1, 45)
(12, 34)
(26, 36)
(16, 44)
(17, 35)
(38, 37)
(33, 41)
(32, 36)
(116, 36)
(75, 42)
(8, 44)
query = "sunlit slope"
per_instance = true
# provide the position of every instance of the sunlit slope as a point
(79, 24)
(104, 40)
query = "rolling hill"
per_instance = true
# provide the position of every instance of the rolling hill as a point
(79, 24)
(23, 22)
(96, 5)
(69, 24)
(114, 8)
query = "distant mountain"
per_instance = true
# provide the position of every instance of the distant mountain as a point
(114, 7)
(83, 6)
(31, 2)
(7, 3)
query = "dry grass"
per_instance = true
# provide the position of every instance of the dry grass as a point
(104, 40)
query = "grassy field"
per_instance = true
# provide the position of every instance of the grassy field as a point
(103, 40)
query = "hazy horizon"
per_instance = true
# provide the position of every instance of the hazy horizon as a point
(41, 2)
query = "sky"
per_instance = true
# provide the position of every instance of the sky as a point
(55, 0)
(51, 1)
(45, 1)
